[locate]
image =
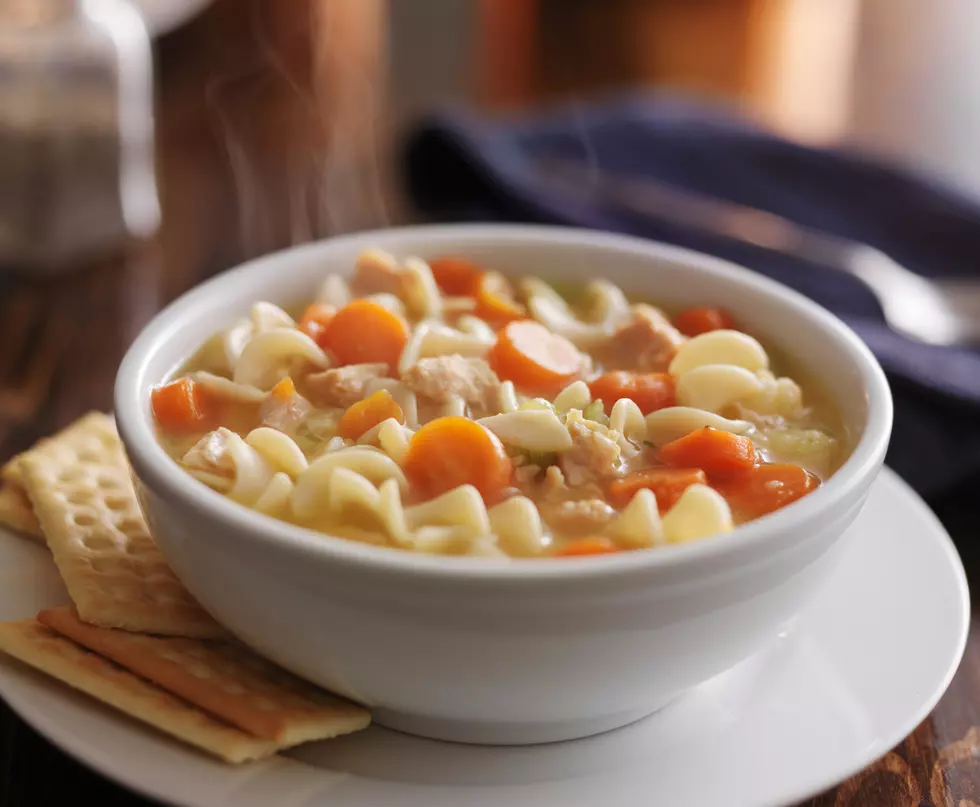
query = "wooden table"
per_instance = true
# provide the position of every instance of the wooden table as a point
(229, 124)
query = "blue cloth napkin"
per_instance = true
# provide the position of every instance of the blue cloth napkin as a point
(464, 167)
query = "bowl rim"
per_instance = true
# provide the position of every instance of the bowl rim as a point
(164, 477)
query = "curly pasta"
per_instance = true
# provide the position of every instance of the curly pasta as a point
(575, 396)
(267, 357)
(716, 386)
(608, 308)
(669, 424)
(227, 389)
(279, 450)
(517, 524)
(639, 523)
(700, 512)
(431, 338)
(444, 408)
(224, 461)
(530, 429)
(334, 292)
(720, 347)
(315, 481)
(626, 418)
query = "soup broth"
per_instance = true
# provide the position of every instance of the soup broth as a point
(441, 407)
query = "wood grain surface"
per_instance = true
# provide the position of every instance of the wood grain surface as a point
(259, 146)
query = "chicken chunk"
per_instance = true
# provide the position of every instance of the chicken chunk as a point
(210, 461)
(284, 414)
(343, 386)
(444, 377)
(581, 517)
(376, 273)
(598, 452)
(648, 342)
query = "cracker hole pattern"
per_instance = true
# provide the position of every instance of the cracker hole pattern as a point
(104, 565)
(117, 503)
(98, 543)
(106, 482)
(80, 496)
(71, 476)
(84, 519)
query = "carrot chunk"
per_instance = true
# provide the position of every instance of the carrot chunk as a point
(534, 358)
(368, 413)
(766, 488)
(719, 453)
(696, 321)
(314, 321)
(582, 547)
(495, 306)
(456, 276)
(183, 406)
(452, 451)
(667, 485)
(284, 390)
(363, 332)
(650, 391)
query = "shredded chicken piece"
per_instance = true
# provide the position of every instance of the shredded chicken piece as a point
(526, 474)
(598, 451)
(445, 377)
(284, 415)
(210, 461)
(577, 517)
(554, 481)
(343, 386)
(376, 273)
(648, 342)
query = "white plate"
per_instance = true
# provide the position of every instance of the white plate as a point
(162, 16)
(830, 697)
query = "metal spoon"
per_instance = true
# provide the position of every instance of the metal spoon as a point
(937, 312)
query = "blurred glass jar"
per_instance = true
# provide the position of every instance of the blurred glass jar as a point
(77, 177)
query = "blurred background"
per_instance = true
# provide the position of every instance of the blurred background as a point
(279, 121)
(288, 114)
(148, 144)
(894, 78)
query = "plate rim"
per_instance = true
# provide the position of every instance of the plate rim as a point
(881, 747)
(35, 716)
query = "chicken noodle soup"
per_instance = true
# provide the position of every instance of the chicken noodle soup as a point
(443, 408)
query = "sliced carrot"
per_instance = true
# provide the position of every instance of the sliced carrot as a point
(719, 453)
(696, 321)
(183, 406)
(452, 451)
(650, 391)
(368, 413)
(586, 546)
(667, 485)
(534, 358)
(495, 306)
(766, 488)
(363, 332)
(284, 390)
(315, 319)
(456, 276)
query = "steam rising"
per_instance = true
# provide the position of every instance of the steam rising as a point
(321, 161)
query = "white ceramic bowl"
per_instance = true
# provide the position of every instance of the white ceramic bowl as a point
(492, 650)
